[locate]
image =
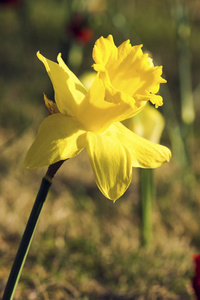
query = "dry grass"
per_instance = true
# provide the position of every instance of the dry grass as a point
(85, 246)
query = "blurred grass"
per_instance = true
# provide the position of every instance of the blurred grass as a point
(85, 246)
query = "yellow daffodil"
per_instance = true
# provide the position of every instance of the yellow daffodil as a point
(87, 79)
(149, 123)
(80, 119)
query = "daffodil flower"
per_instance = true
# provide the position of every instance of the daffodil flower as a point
(149, 123)
(80, 119)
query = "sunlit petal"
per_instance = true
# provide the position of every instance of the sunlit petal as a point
(79, 87)
(144, 153)
(59, 137)
(69, 91)
(111, 164)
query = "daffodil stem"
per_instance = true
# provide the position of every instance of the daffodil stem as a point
(147, 192)
(29, 232)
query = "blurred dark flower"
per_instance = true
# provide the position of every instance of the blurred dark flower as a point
(79, 28)
(196, 278)
(10, 2)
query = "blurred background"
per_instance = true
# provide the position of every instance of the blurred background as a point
(86, 247)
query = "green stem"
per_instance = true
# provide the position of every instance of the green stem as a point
(26, 241)
(183, 35)
(174, 129)
(29, 232)
(185, 78)
(147, 191)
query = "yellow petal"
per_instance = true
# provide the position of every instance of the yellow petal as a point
(111, 164)
(144, 154)
(69, 91)
(79, 87)
(59, 137)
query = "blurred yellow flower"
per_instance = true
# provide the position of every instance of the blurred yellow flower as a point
(125, 81)
(149, 123)
(87, 79)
